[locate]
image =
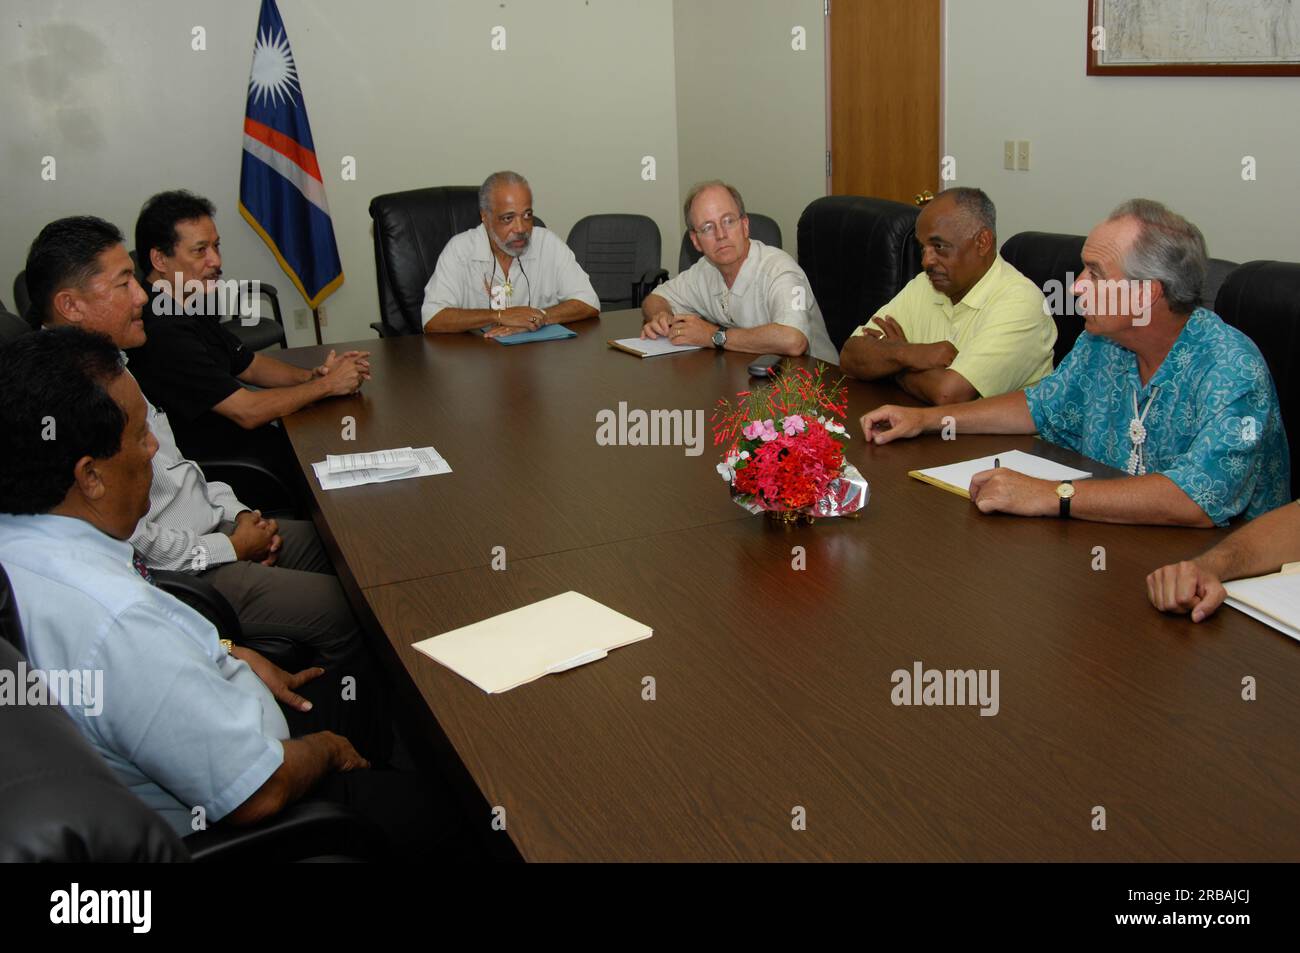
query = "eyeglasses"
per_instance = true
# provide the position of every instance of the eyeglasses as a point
(726, 224)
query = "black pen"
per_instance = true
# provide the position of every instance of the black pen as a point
(995, 463)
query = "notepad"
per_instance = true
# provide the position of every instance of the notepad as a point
(645, 347)
(401, 464)
(1273, 599)
(956, 477)
(543, 638)
(549, 332)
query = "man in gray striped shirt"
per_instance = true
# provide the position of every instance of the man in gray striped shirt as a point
(275, 574)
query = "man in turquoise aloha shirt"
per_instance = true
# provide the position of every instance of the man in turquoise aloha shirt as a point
(1154, 386)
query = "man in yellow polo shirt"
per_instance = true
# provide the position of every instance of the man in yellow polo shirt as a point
(969, 325)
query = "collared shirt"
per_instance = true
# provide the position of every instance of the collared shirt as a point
(543, 276)
(188, 364)
(181, 723)
(1213, 425)
(1001, 329)
(770, 288)
(180, 529)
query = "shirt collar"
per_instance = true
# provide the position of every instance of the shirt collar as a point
(979, 293)
(70, 529)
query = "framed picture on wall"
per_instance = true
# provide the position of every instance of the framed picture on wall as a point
(1193, 38)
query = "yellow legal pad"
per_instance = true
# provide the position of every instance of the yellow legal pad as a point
(956, 477)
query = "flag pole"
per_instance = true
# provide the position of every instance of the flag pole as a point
(315, 318)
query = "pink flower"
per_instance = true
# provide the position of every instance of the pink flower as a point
(794, 424)
(760, 430)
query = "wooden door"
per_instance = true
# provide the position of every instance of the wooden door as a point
(884, 97)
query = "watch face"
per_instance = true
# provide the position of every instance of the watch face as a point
(1065, 491)
(719, 338)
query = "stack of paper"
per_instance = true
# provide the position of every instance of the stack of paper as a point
(524, 644)
(1273, 599)
(379, 466)
(645, 347)
(548, 332)
(956, 477)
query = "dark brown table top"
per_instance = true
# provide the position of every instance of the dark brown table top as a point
(773, 685)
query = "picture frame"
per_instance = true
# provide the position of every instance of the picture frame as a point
(1193, 38)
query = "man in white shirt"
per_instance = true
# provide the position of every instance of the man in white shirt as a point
(505, 273)
(742, 295)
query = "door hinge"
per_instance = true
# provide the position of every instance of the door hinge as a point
(826, 8)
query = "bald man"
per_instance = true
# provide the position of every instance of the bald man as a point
(969, 325)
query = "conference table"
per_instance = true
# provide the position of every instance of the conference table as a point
(759, 723)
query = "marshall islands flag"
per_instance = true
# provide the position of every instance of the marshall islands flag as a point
(281, 194)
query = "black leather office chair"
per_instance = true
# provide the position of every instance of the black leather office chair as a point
(1052, 262)
(1215, 276)
(59, 801)
(1262, 299)
(761, 227)
(620, 253)
(22, 300)
(11, 325)
(410, 230)
(858, 253)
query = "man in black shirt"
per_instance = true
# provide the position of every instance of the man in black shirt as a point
(194, 369)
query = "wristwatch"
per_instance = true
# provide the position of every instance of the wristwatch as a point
(720, 338)
(1065, 493)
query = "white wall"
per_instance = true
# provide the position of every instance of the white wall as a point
(411, 89)
(1016, 70)
(750, 109)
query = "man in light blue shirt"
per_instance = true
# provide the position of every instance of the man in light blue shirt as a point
(188, 727)
(1154, 386)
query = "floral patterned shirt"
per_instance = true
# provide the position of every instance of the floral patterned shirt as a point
(1213, 426)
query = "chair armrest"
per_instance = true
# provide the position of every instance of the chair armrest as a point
(203, 597)
(253, 482)
(649, 281)
(302, 831)
(378, 328)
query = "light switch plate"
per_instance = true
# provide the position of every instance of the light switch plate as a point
(1022, 155)
(1009, 154)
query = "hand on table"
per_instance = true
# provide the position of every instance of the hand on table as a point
(1006, 491)
(1186, 587)
(680, 329)
(516, 321)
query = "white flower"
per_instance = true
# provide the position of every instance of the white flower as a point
(725, 471)
(744, 454)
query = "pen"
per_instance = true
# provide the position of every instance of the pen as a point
(996, 464)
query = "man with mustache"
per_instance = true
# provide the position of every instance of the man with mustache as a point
(742, 295)
(969, 325)
(505, 274)
(194, 369)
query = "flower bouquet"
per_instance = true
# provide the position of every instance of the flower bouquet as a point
(784, 448)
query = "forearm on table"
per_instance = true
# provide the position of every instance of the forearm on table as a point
(1006, 413)
(268, 372)
(767, 339)
(572, 310)
(937, 386)
(1153, 499)
(1261, 546)
(252, 409)
(451, 320)
(868, 358)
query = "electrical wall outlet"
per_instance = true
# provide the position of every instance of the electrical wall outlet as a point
(1022, 155)
(301, 318)
(1009, 154)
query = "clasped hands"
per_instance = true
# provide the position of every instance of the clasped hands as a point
(346, 371)
(680, 329)
(516, 320)
(255, 538)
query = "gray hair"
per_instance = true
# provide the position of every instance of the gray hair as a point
(976, 206)
(1168, 249)
(492, 182)
(695, 191)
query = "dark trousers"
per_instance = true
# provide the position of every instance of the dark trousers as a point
(298, 598)
(414, 810)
